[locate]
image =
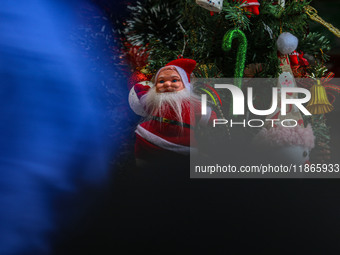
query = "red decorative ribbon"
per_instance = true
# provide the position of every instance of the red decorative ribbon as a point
(330, 88)
(327, 78)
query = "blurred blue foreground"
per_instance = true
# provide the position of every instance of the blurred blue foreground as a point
(53, 126)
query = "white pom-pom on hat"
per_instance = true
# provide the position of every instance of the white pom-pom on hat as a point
(287, 43)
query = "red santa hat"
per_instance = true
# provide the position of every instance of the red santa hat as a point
(184, 67)
(188, 65)
(252, 5)
(249, 3)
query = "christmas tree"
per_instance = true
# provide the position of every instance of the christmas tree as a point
(237, 38)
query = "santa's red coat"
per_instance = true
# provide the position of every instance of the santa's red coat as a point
(155, 138)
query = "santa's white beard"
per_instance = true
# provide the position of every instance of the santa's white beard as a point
(160, 104)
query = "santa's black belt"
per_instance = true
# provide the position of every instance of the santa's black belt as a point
(173, 122)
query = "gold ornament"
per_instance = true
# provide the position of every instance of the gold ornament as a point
(319, 103)
(205, 69)
(313, 14)
(144, 70)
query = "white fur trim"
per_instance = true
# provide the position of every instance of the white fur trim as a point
(287, 43)
(162, 143)
(249, 4)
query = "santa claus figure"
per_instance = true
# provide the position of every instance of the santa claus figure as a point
(171, 114)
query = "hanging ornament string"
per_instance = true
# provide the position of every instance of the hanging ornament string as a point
(313, 14)
(241, 51)
(322, 57)
(184, 38)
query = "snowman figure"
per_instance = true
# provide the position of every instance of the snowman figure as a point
(287, 145)
(286, 80)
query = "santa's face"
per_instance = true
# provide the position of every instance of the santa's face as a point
(169, 80)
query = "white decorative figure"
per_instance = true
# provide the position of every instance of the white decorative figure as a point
(286, 80)
(211, 5)
(282, 3)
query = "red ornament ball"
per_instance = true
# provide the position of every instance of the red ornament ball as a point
(135, 78)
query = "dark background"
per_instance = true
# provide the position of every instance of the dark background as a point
(329, 11)
(162, 211)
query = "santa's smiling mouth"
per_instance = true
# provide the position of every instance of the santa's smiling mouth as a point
(167, 90)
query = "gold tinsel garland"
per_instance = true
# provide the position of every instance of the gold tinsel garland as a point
(313, 14)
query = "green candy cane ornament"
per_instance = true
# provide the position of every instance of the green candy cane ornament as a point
(241, 52)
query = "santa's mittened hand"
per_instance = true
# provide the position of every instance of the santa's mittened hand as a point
(141, 90)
